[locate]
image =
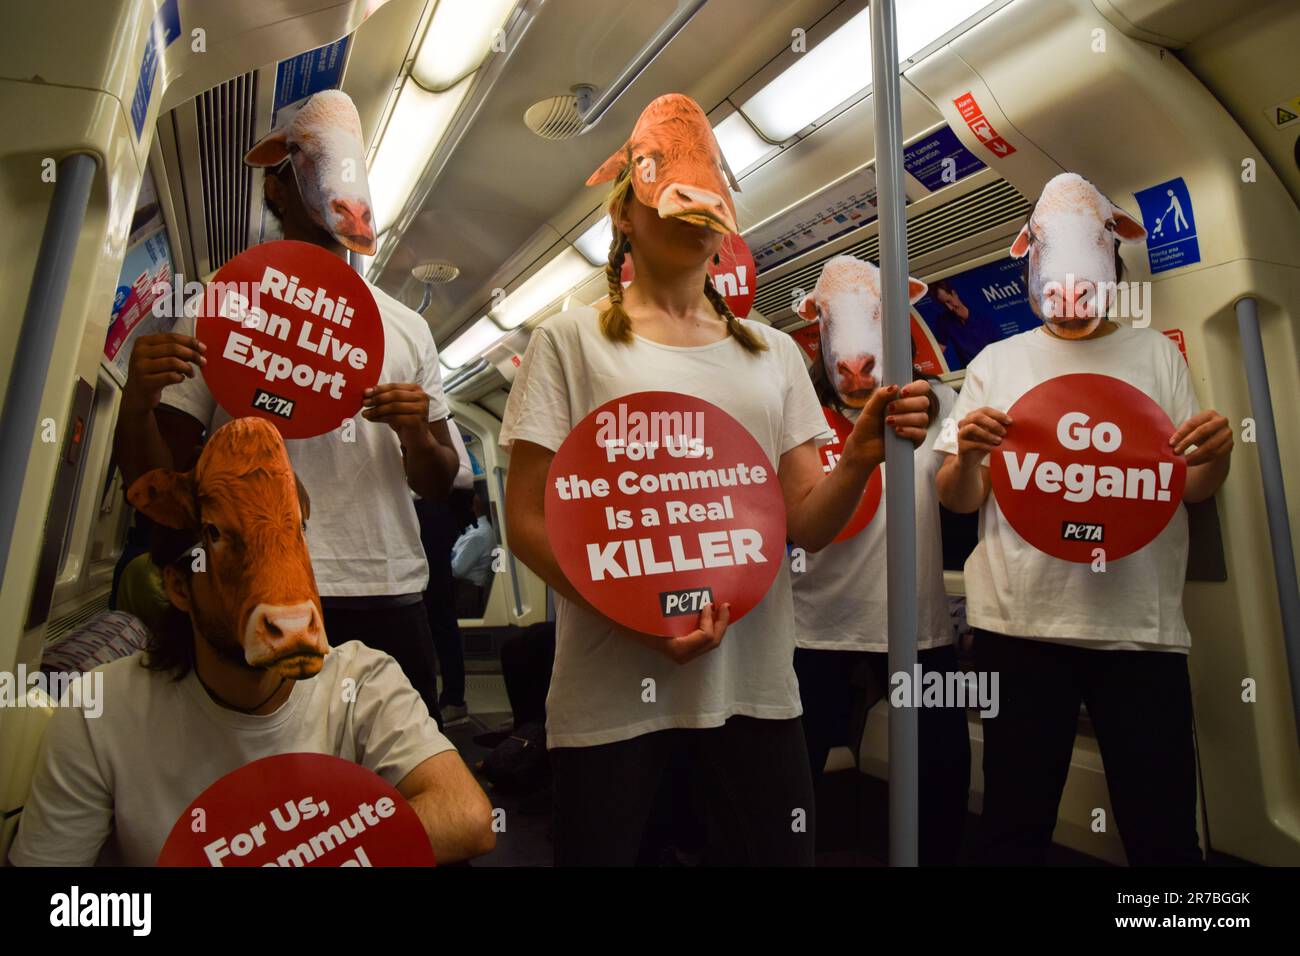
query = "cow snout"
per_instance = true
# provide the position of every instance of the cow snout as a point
(353, 224)
(679, 199)
(289, 638)
(1075, 299)
(857, 376)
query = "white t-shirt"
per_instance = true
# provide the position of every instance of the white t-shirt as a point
(569, 370)
(363, 534)
(119, 781)
(1013, 588)
(840, 598)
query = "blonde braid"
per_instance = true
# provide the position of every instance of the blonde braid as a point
(615, 323)
(750, 342)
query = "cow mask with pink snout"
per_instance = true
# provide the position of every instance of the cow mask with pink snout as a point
(323, 141)
(1072, 239)
(846, 305)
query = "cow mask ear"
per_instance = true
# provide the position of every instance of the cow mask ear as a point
(271, 150)
(1127, 228)
(166, 497)
(806, 309)
(1021, 245)
(611, 168)
(915, 289)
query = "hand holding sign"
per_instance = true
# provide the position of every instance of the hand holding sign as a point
(403, 406)
(980, 432)
(157, 361)
(1209, 431)
(1089, 465)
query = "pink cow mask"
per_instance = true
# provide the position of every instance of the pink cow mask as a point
(323, 141)
(677, 166)
(1072, 239)
(846, 305)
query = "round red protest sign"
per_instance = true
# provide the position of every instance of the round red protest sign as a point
(293, 335)
(1087, 465)
(733, 274)
(658, 504)
(830, 453)
(298, 810)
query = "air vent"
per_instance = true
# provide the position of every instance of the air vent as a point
(559, 117)
(435, 272)
(995, 204)
(224, 116)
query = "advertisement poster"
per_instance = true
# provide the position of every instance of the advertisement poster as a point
(1087, 465)
(831, 213)
(145, 277)
(658, 504)
(972, 309)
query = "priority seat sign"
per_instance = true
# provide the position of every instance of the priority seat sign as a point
(293, 335)
(1085, 465)
(659, 504)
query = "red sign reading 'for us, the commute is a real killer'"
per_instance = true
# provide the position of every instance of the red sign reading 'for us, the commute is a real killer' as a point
(1087, 464)
(293, 335)
(658, 504)
(298, 810)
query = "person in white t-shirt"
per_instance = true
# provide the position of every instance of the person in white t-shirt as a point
(732, 704)
(364, 534)
(1059, 632)
(187, 710)
(841, 608)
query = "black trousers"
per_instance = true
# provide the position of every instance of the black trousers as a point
(527, 661)
(1140, 704)
(400, 632)
(753, 783)
(437, 534)
(833, 685)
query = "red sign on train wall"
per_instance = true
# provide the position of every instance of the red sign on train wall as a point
(658, 504)
(1086, 464)
(733, 274)
(830, 453)
(293, 335)
(298, 810)
(980, 126)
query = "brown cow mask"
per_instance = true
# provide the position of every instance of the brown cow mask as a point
(677, 166)
(242, 501)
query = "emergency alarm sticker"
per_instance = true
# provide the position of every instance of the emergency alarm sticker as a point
(1087, 464)
(733, 274)
(293, 336)
(296, 810)
(830, 453)
(658, 504)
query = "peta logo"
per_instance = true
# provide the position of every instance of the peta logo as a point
(273, 403)
(75, 909)
(688, 601)
(1076, 531)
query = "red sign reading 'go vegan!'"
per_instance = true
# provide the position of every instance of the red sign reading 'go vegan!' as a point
(658, 504)
(1087, 464)
(293, 336)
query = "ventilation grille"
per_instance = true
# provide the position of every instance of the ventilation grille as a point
(994, 204)
(435, 272)
(555, 118)
(71, 622)
(225, 117)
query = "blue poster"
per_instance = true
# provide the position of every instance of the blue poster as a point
(1170, 224)
(925, 159)
(320, 69)
(166, 27)
(975, 308)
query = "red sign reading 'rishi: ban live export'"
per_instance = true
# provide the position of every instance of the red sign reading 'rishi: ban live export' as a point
(658, 504)
(293, 335)
(1086, 464)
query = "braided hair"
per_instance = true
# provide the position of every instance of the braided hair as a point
(615, 323)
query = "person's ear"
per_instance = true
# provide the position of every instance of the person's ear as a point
(177, 587)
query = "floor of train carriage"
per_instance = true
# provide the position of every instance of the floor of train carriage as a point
(852, 824)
